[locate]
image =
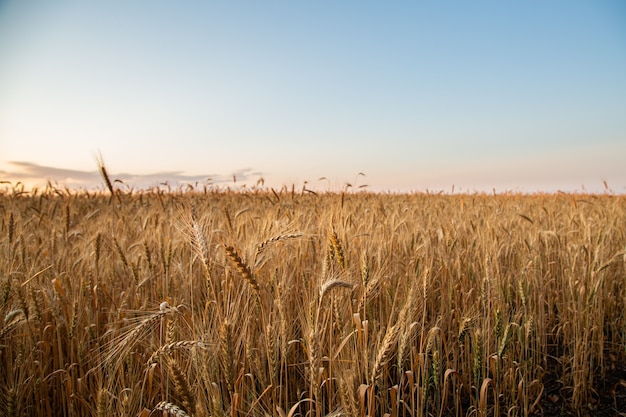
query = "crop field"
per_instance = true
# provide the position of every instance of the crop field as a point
(289, 303)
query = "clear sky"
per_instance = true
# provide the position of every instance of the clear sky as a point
(512, 95)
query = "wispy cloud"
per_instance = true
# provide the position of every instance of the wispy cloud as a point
(32, 174)
(29, 172)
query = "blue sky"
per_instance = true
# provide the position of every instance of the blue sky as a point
(526, 96)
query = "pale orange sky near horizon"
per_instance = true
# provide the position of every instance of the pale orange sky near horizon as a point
(523, 97)
(502, 176)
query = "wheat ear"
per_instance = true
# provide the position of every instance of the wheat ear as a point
(384, 352)
(122, 346)
(337, 249)
(181, 386)
(172, 346)
(102, 403)
(243, 269)
(263, 245)
(171, 409)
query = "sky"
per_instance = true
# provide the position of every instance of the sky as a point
(526, 96)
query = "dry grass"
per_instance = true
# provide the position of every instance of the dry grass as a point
(221, 303)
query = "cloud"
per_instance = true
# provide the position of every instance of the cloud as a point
(32, 175)
(27, 171)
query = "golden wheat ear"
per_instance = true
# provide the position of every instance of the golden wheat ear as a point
(107, 180)
(268, 242)
(121, 346)
(181, 386)
(243, 269)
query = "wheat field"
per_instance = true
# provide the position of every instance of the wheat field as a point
(285, 303)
